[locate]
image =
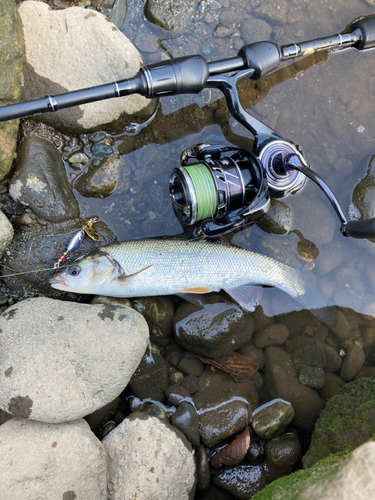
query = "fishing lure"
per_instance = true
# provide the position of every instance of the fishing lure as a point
(89, 228)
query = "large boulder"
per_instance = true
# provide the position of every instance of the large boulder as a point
(11, 76)
(63, 360)
(77, 48)
(39, 460)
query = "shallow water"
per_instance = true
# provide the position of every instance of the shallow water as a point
(322, 103)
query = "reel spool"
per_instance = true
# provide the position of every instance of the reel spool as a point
(224, 189)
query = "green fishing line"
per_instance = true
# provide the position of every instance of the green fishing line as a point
(205, 190)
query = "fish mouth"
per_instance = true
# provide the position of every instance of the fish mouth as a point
(58, 283)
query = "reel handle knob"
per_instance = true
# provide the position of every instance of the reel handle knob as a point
(367, 27)
(359, 229)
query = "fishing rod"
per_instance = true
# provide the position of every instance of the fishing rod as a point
(219, 188)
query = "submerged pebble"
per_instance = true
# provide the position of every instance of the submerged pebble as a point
(186, 419)
(312, 376)
(272, 419)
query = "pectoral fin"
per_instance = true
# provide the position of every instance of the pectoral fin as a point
(198, 289)
(125, 278)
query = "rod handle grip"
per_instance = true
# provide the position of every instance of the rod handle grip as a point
(360, 228)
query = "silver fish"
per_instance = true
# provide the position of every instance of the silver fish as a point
(150, 267)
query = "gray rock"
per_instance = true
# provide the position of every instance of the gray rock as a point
(149, 460)
(158, 312)
(255, 30)
(215, 331)
(40, 181)
(172, 16)
(90, 51)
(11, 76)
(186, 419)
(6, 233)
(333, 359)
(271, 335)
(355, 480)
(311, 354)
(62, 360)
(41, 460)
(272, 419)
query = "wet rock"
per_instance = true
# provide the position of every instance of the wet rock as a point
(253, 352)
(98, 53)
(11, 75)
(149, 459)
(222, 31)
(271, 335)
(33, 450)
(255, 453)
(296, 321)
(171, 15)
(243, 481)
(158, 312)
(215, 331)
(150, 379)
(6, 233)
(186, 419)
(260, 319)
(203, 468)
(176, 394)
(272, 419)
(353, 362)
(146, 43)
(218, 389)
(348, 420)
(343, 330)
(40, 181)
(363, 194)
(333, 359)
(191, 383)
(112, 301)
(311, 354)
(283, 455)
(99, 417)
(191, 365)
(99, 181)
(312, 377)
(282, 382)
(332, 385)
(60, 369)
(78, 158)
(278, 219)
(154, 410)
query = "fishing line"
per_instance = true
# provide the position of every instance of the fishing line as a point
(205, 190)
(34, 271)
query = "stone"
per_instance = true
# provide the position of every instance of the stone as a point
(186, 419)
(333, 359)
(255, 30)
(99, 181)
(353, 362)
(272, 418)
(311, 354)
(214, 331)
(90, 51)
(150, 378)
(6, 233)
(283, 455)
(190, 365)
(40, 460)
(40, 181)
(223, 406)
(158, 312)
(176, 394)
(312, 376)
(203, 468)
(363, 193)
(275, 334)
(281, 382)
(243, 481)
(12, 57)
(63, 360)
(278, 219)
(347, 421)
(171, 16)
(147, 459)
(253, 352)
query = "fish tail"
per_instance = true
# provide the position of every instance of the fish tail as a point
(322, 307)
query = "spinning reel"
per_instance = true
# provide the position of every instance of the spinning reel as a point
(217, 188)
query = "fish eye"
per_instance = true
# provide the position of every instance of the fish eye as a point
(74, 270)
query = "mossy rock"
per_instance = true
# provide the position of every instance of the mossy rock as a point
(292, 487)
(347, 421)
(12, 57)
